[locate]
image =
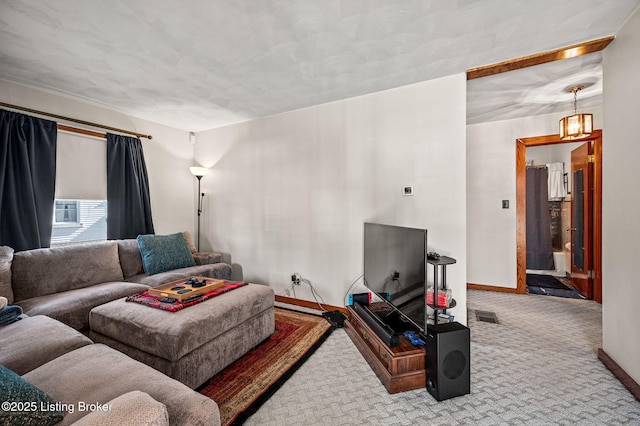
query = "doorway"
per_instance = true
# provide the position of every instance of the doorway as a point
(593, 276)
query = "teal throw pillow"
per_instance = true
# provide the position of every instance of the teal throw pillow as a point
(162, 253)
(25, 404)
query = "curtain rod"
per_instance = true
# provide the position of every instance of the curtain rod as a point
(85, 132)
(87, 123)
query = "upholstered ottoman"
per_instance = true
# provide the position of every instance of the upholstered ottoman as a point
(193, 344)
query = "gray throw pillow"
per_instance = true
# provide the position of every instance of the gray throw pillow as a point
(187, 236)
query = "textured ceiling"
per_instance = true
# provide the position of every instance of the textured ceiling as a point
(200, 64)
(536, 90)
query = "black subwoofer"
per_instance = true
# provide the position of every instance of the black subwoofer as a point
(447, 361)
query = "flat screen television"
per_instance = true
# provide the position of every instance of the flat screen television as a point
(395, 269)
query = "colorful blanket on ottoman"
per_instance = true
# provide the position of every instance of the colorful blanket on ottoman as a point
(145, 298)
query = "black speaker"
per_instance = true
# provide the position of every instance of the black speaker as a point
(447, 361)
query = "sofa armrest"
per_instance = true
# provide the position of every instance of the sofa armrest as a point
(207, 257)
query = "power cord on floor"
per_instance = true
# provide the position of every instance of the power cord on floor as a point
(335, 318)
(300, 279)
(292, 289)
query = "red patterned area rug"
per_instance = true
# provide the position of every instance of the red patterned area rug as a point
(240, 389)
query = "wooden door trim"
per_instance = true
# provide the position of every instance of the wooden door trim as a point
(580, 159)
(597, 218)
(540, 58)
(521, 207)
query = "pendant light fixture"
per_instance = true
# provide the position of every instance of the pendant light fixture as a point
(576, 126)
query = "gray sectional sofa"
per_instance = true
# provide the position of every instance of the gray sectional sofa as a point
(72, 370)
(59, 287)
(66, 282)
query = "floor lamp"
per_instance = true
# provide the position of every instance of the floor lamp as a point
(198, 172)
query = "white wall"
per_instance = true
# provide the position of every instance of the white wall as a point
(621, 199)
(491, 178)
(290, 193)
(168, 155)
(553, 154)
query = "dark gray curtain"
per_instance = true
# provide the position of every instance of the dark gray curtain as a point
(539, 248)
(27, 180)
(128, 205)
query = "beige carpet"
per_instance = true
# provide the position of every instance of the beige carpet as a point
(538, 366)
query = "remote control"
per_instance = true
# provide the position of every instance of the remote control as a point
(432, 255)
(194, 297)
(199, 284)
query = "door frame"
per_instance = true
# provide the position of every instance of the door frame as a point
(521, 207)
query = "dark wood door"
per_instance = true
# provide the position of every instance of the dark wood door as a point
(582, 218)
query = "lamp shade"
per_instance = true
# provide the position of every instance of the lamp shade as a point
(576, 126)
(199, 171)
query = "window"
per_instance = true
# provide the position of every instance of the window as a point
(80, 203)
(66, 211)
(79, 220)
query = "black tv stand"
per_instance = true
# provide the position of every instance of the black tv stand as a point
(400, 368)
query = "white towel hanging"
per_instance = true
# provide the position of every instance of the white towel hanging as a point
(555, 181)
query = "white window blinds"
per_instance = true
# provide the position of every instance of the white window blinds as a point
(81, 167)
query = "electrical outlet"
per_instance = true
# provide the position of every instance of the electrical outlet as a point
(295, 279)
(396, 275)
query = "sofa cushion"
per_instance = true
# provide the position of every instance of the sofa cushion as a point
(6, 257)
(162, 253)
(14, 389)
(220, 271)
(97, 373)
(41, 272)
(130, 258)
(33, 341)
(72, 307)
(132, 408)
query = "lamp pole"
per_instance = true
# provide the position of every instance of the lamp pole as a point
(198, 172)
(200, 196)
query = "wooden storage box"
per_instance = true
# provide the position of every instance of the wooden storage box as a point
(400, 368)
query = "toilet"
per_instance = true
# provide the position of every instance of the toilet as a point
(567, 258)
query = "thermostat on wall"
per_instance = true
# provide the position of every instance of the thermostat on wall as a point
(407, 190)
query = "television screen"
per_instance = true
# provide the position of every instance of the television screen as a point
(395, 269)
